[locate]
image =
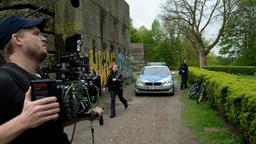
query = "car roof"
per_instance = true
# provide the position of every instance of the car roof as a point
(158, 66)
(155, 66)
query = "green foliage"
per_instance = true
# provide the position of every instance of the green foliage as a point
(213, 60)
(162, 47)
(187, 51)
(186, 18)
(233, 96)
(149, 44)
(239, 34)
(206, 125)
(135, 38)
(240, 70)
(157, 34)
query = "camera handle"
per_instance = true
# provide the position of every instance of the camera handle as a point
(92, 128)
(101, 121)
(93, 115)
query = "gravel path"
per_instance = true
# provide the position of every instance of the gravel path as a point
(148, 120)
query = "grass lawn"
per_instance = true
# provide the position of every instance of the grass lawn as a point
(205, 124)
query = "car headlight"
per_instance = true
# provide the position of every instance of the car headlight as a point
(167, 82)
(139, 82)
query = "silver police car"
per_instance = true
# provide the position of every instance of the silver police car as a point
(155, 78)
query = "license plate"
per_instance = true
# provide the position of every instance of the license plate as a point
(152, 87)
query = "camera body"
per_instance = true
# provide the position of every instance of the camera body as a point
(43, 88)
(76, 98)
(76, 89)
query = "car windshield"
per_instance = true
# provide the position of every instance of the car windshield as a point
(162, 71)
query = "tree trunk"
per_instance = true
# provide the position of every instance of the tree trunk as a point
(202, 57)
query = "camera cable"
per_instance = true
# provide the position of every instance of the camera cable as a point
(66, 96)
(75, 119)
(92, 128)
(74, 129)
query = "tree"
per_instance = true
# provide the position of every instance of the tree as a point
(134, 34)
(238, 40)
(192, 18)
(164, 46)
(180, 46)
(146, 38)
(157, 34)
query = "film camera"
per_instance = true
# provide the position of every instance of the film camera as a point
(76, 89)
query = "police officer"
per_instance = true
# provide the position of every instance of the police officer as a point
(183, 72)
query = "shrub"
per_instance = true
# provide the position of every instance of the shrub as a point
(233, 96)
(240, 70)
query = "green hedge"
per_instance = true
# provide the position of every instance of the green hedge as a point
(240, 70)
(233, 96)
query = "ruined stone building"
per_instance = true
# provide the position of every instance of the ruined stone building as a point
(102, 24)
(138, 52)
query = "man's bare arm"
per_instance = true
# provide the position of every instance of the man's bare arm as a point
(34, 114)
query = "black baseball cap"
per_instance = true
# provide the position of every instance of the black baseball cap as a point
(13, 24)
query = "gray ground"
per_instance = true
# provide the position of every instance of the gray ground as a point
(148, 120)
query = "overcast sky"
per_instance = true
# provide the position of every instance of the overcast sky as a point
(143, 12)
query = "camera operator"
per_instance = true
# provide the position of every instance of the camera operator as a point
(23, 121)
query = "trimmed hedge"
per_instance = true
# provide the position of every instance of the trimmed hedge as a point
(233, 96)
(240, 70)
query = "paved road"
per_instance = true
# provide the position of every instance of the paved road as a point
(148, 120)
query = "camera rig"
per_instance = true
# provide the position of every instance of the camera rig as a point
(76, 88)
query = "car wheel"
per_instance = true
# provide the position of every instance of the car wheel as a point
(172, 93)
(137, 94)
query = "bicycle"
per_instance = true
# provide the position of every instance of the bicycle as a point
(197, 89)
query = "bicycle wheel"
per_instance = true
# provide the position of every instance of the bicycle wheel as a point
(200, 94)
(192, 91)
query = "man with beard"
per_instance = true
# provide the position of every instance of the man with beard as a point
(23, 121)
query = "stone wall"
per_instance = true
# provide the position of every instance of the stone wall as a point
(137, 50)
(104, 25)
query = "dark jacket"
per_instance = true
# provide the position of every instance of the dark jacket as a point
(113, 85)
(183, 69)
(11, 103)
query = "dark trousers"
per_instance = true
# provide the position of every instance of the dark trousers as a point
(119, 93)
(183, 81)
